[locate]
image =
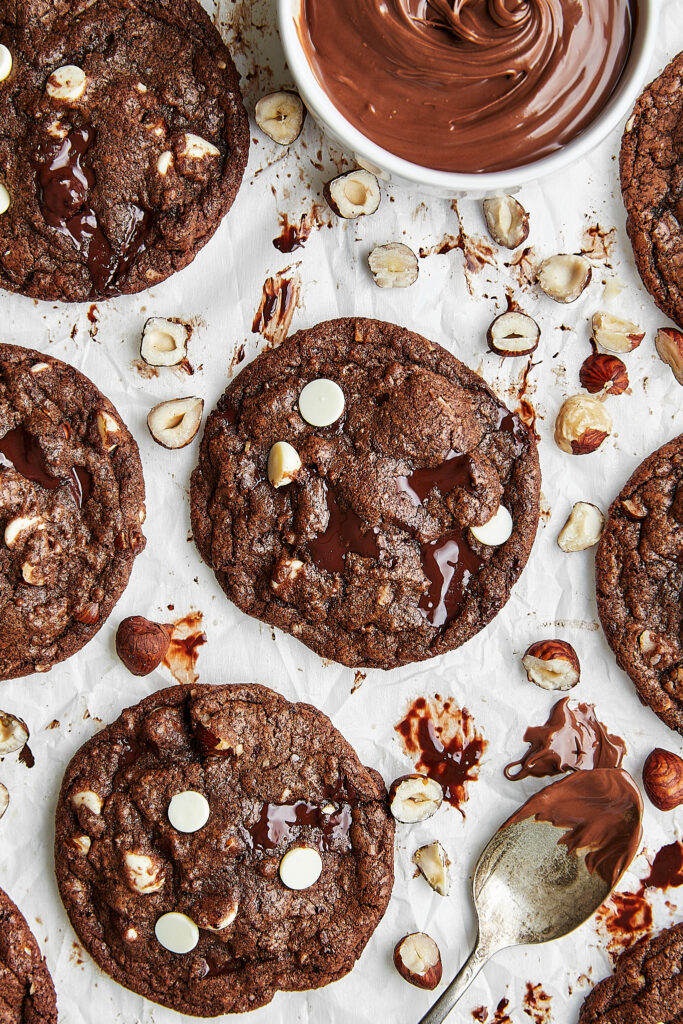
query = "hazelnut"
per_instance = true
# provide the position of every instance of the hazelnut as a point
(284, 464)
(33, 575)
(634, 508)
(196, 148)
(144, 874)
(5, 199)
(582, 425)
(583, 528)
(141, 644)
(393, 265)
(414, 798)
(109, 430)
(13, 734)
(164, 342)
(663, 779)
(432, 862)
(19, 525)
(507, 221)
(354, 194)
(89, 614)
(513, 334)
(6, 62)
(601, 373)
(174, 424)
(88, 799)
(552, 665)
(281, 115)
(81, 844)
(615, 334)
(4, 799)
(418, 960)
(669, 345)
(565, 277)
(657, 650)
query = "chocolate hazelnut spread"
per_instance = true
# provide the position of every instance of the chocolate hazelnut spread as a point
(601, 811)
(468, 85)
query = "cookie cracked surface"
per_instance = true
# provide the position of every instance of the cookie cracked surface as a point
(276, 776)
(651, 166)
(639, 578)
(123, 142)
(71, 510)
(366, 554)
(27, 995)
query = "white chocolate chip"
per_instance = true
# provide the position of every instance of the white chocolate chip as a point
(86, 798)
(196, 147)
(188, 811)
(5, 199)
(225, 921)
(130, 934)
(300, 867)
(496, 531)
(141, 88)
(165, 162)
(283, 464)
(33, 575)
(21, 524)
(67, 83)
(144, 874)
(321, 402)
(5, 62)
(177, 933)
(81, 843)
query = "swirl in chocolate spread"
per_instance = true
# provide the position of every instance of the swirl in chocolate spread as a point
(571, 740)
(601, 812)
(468, 85)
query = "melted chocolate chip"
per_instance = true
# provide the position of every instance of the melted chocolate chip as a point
(21, 450)
(449, 564)
(346, 532)
(277, 820)
(454, 471)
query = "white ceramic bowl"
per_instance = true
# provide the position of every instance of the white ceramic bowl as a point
(447, 183)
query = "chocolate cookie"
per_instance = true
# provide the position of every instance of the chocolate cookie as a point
(71, 508)
(652, 184)
(27, 995)
(338, 486)
(124, 141)
(645, 987)
(639, 577)
(218, 843)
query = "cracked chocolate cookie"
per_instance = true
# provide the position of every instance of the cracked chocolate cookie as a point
(652, 185)
(217, 844)
(123, 142)
(27, 995)
(71, 510)
(645, 987)
(362, 489)
(639, 577)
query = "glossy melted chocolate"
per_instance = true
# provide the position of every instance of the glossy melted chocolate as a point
(276, 822)
(22, 451)
(346, 532)
(468, 85)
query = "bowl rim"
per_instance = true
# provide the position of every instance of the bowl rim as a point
(383, 162)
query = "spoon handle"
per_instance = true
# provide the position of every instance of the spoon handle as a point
(463, 979)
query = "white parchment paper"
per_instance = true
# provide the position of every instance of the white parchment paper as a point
(220, 294)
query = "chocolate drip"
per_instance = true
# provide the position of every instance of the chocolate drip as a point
(276, 822)
(601, 812)
(572, 739)
(454, 471)
(346, 532)
(449, 564)
(22, 451)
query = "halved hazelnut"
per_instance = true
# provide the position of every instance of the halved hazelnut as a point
(196, 148)
(89, 799)
(663, 779)
(354, 194)
(565, 277)
(281, 116)
(13, 733)
(513, 334)
(552, 665)
(164, 342)
(669, 345)
(81, 844)
(507, 221)
(393, 265)
(582, 425)
(174, 424)
(414, 798)
(657, 650)
(142, 644)
(5, 62)
(418, 960)
(4, 799)
(109, 430)
(433, 862)
(19, 525)
(33, 575)
(583, 528)
(615, 334)
(144, 874)
(601, 372)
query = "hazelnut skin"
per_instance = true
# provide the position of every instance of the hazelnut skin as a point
(142, 644)
(663, 779)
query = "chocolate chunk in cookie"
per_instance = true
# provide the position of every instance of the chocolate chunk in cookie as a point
(27, 995)
(362, 489)
(652, 185)
(71, 510)
(217, 844)
(124, 141)
(645, 987)
(639, 576)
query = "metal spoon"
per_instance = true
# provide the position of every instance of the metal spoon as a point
(530, 888)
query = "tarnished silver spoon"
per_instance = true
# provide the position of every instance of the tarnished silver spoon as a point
(549, 867)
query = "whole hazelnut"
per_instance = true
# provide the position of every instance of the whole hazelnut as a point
(663, 779)
(142, 644)
(582, 425)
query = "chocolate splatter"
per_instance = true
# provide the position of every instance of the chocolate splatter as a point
(536, 1004)
(276, 309)
(292, 235)
(598, 242)
(186, 639)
